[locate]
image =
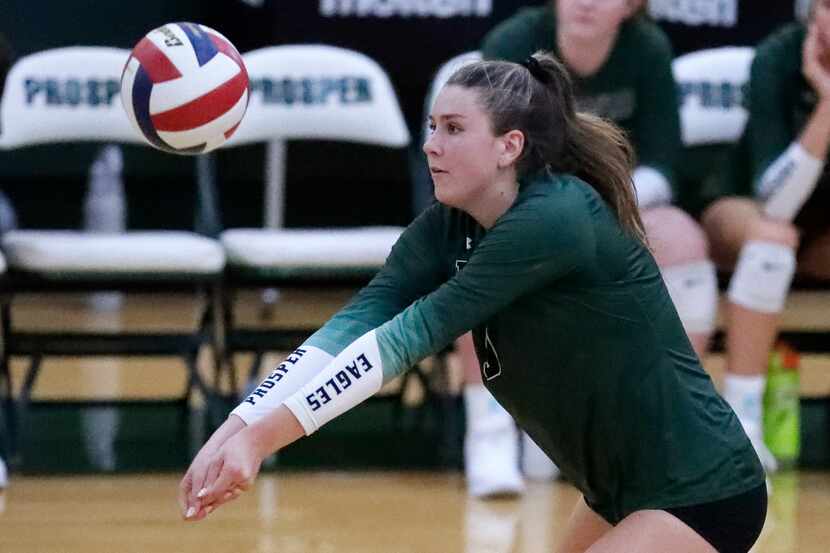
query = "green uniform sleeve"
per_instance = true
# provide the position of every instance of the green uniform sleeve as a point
(528, 248)
(412, 269)
(657, 124)
(519, 36)
(769, 130)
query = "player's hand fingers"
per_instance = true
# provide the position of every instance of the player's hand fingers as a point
(199, 514)
(229, 478)
(230, 495)
(184, 491)
(223, 483)
(207, 478)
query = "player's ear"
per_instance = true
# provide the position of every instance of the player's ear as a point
(512, 145)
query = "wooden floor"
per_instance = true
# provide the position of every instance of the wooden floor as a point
(313, 512)
(338, 513)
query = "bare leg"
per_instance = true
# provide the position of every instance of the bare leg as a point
(681, 250)
(742, 238)
(815, 259)
(469, 360)
(730, 223)
(584, 528)
(651, 532)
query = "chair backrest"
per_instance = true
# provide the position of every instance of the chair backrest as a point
(442, 76)
(712, 85)
(319, 92)
(65, 94)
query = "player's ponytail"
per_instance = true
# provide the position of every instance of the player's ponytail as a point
(536, 97)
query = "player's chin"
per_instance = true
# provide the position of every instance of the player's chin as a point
(444, 193)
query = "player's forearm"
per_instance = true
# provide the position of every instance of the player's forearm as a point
(815, 138)
(297, 369)
(231, 426)
(353, 376)
(276, 430)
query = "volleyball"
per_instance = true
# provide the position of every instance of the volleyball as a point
(185, 88)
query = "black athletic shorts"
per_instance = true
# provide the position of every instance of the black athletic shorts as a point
(730, 525)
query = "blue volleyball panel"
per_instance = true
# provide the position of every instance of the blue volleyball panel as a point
(202, 44)
(142, 87)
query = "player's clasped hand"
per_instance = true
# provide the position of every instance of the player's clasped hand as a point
(216, 477)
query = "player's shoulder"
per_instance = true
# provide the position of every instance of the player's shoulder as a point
(529, 16)
(557, 198)
(646, 37)
(785, 41)
(778, 57)
(519, 32)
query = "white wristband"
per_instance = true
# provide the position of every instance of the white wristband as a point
(787, 184)
(651, 186)
(355, 375)
(297, 369)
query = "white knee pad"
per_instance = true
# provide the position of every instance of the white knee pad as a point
(763, 276)
(693, 288)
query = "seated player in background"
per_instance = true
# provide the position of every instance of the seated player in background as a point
(770, 220)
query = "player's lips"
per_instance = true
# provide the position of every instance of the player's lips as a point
(434, 170)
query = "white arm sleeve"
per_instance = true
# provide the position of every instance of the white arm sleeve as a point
(297, 369)
(355, 375)
(652, 187)
(787, 184)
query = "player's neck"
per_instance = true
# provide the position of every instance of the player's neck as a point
(493, 202)
(582, 56)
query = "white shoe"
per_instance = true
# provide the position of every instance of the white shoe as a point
(491, 446)
(536, 465)
(491, 463)
(768, 460)
(744, 394)
(4, 475)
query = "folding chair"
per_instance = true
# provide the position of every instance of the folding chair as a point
(302, 92)
(72, 95)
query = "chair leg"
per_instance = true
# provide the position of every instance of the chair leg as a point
(220, 319)
(256, 366)
(7, 403)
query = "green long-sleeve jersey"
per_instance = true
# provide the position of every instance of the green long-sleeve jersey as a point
(577, 338)
(634, 87)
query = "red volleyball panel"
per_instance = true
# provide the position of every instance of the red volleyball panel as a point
(155, 63)
(226, 48)
(229, 132)
(203, 109)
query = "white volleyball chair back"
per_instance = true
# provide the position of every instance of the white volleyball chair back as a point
(71, 95)
(304, 92)
(65, 95)
(712, 84)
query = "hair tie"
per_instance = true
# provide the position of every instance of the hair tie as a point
(536, 69)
